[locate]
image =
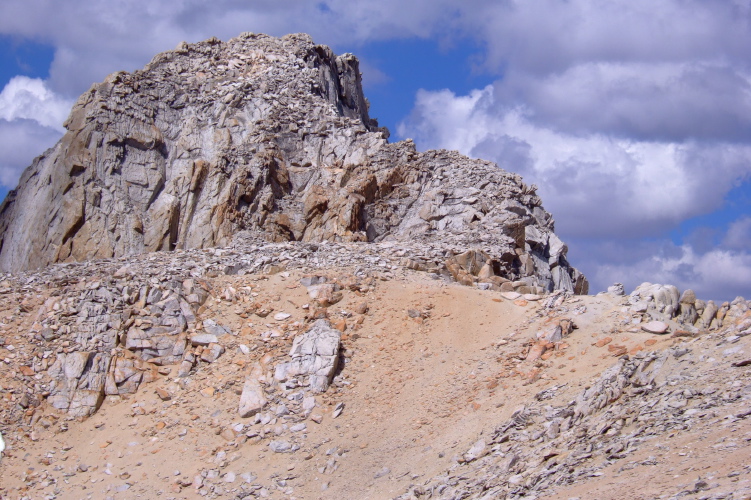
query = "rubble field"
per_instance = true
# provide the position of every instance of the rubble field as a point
(334, 371)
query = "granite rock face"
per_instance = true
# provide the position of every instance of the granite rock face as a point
(271, 136)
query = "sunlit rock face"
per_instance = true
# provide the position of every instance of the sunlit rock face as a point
(270, 136)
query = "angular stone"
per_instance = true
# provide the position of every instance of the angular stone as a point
(312, 280)
(212, 352)
(315, 356)
(203, 339)
(212, 328)
(253, 398)
(279, 446)
(325, 294)
(551, 334)
(478, 450)
(79, 382)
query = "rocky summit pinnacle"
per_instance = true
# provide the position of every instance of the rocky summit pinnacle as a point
(269, 137)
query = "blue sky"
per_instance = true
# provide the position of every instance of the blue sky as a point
(632, 117)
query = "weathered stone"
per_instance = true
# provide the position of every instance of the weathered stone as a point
(180, 173)
(189, 359)
(707, 315)
(127, 372)
(326, 294)
(655, 327)
(659, 301)
(551, 334)
(203, 339)
(688, 297)
(212, 352)
(253, 398)
(79, 382)
(315, 356)
(279, 446)
(478, 450)
(307, 281)
(163, 394)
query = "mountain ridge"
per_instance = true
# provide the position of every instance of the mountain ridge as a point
(269, 135)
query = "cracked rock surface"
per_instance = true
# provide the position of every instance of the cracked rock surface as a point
(271, 136)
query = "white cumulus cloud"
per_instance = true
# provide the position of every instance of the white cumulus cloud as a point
(596, 184)
(31, 120)
(20, 141)
(31, 99)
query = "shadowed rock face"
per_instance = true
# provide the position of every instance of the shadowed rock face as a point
(270, 136)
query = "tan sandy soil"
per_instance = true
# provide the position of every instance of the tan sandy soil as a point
(417, 393)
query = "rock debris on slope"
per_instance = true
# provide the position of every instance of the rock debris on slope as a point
(109, 328)
(264, 147)
(638, 399)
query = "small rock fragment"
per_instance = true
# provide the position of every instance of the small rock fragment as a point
(658, 327)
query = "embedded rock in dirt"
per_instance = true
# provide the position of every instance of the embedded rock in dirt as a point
(79, 382)
(252, 399)
(315, 357)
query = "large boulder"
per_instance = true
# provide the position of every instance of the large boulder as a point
(78, 382)
(315, 357)
(660, 302)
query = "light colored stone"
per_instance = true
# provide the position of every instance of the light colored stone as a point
(315, 356)
(280, 446)
(253, 399)
(655, 327)
(212, 352)
(478, 450)
(203, 339)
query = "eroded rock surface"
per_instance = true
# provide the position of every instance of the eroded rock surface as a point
(315, 357)
(272, 136)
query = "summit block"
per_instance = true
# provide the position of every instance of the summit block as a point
(270, 136)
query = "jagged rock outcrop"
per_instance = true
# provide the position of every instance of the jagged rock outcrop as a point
(272, 136)
(664, 303)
